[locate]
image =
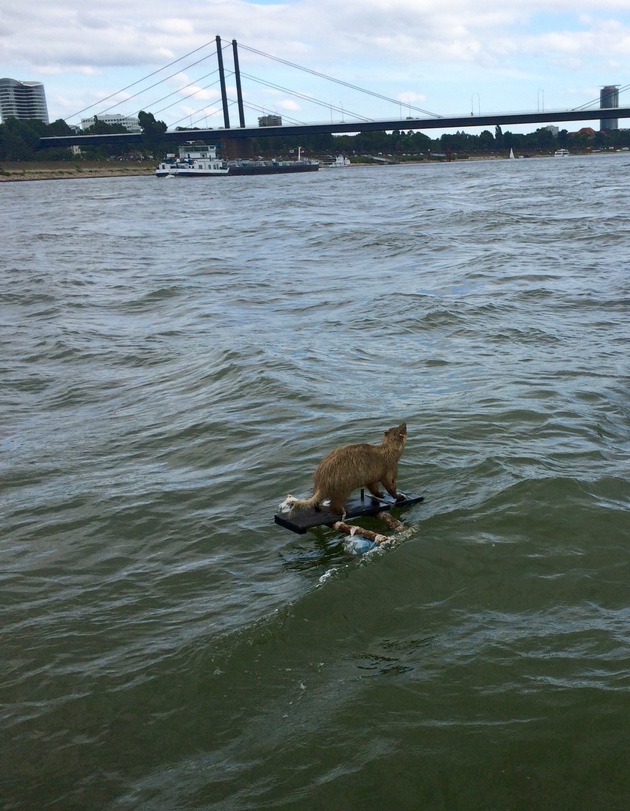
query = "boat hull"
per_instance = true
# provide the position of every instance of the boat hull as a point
(241, 170)
(272, 168)
(184, 173)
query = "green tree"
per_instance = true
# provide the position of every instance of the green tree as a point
(152, 132)
(59, 127)
(19, 139)
(420, 143)
(486, 141)
(544, 139)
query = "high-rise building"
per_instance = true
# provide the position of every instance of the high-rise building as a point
(270, 121)
(23, 100)
(609, 97)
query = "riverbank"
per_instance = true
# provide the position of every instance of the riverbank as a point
(68, 170)
(65, 170)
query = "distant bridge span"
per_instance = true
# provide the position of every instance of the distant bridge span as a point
(447, 122)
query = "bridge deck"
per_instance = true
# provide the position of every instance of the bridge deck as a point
(447, 122)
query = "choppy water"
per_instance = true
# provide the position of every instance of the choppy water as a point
(177, 356)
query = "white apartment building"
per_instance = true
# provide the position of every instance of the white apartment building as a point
(129, 122)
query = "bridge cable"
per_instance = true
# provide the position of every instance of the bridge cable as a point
(148, 76)
(257, 108)
(140, 92)
(594, 101)
(305, 97)
(337, 81)
(251, 106)
(180, 89)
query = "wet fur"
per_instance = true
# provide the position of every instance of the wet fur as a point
(352, 466)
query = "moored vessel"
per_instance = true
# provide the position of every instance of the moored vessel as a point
(339, 162)
(200, 160)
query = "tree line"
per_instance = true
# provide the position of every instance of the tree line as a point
(410, 144)
(19, 141)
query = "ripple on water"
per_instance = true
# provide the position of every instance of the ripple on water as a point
(174, 366)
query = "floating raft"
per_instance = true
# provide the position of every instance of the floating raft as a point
(357, 507)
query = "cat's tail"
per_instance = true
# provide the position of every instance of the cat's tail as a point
(293, 505)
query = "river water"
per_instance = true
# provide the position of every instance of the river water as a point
(177, 356)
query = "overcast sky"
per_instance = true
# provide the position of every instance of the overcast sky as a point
(442, 56)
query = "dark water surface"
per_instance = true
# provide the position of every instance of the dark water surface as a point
(175, 359)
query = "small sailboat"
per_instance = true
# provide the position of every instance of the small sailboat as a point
(511, 153)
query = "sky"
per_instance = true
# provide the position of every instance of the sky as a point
(439, 56)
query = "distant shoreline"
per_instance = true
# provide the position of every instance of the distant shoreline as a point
(11, 172)
(18, 172)
(34, 170)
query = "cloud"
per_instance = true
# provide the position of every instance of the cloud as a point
(117, 34)
(411, 97)
(417, 51)
(289, 105)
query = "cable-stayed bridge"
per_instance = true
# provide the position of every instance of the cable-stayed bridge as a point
(456, 122)
(351, 123)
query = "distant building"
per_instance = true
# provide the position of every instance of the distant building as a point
(129, 122)
(270, 121)
(552, 129)
(609, 97)
(23, 100)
